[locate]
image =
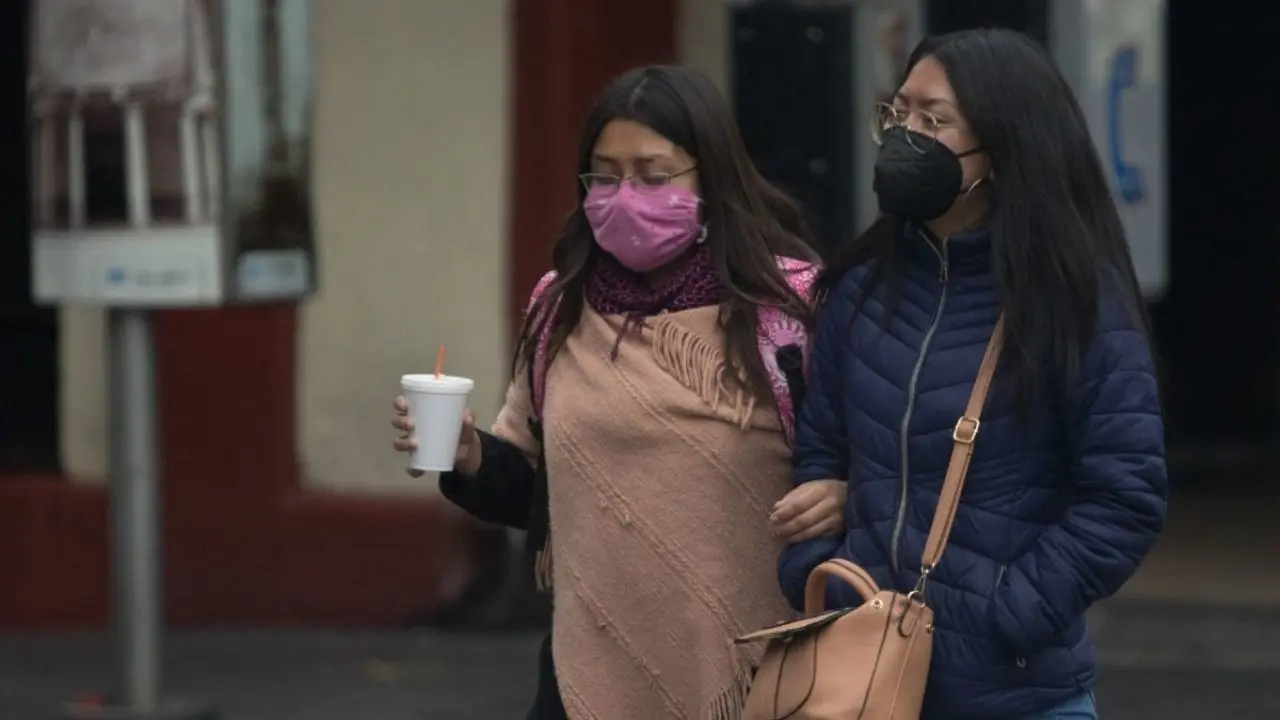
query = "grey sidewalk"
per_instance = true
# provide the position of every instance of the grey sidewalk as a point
(1161, 662)
(281, 675)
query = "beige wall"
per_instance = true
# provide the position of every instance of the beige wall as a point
(703, 38)
(411, 185)
(83, 398)
(412, 196)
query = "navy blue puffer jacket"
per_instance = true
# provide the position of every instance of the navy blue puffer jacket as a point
(1059, 507)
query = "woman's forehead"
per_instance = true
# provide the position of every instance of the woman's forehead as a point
(630, 141)
(927, 85)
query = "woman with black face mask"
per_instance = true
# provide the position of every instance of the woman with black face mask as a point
(997, 220)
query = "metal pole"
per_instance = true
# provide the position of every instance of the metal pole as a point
(135, 508)
(138, 611)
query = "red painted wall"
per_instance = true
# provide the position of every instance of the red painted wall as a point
(566, 52)
(244, 542)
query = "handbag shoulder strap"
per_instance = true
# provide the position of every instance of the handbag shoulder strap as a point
(964, 435)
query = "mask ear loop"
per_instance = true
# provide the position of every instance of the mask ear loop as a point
(972, 151)
(702, 236)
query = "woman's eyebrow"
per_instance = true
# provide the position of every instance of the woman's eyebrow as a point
(934, 102)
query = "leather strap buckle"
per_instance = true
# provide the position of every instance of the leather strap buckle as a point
(966, 430)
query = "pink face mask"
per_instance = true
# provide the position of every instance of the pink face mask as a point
(644, 230)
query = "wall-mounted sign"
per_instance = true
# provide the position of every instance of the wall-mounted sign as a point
(171, 147)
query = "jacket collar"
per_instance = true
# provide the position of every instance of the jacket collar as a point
(967, 253)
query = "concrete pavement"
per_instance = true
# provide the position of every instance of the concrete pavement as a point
(303, 675)
(1161, 662)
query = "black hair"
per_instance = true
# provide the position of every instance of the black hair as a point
(1058, 246)
(749, 221)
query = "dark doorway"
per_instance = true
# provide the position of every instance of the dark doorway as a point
(793, 89)
(1217, 324)
(1028, 16)
(28, 334)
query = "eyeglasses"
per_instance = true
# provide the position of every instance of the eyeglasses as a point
(607, 185)
(888, 116)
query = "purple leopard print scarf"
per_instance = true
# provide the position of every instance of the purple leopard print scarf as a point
(614, 290)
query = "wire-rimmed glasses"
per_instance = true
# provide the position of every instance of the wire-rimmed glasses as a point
(888, 116)
(606, 185)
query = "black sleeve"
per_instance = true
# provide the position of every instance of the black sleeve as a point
(502, 492)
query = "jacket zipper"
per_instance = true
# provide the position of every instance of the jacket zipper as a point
(900, 517)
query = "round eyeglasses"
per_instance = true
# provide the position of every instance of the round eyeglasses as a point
(888, 116)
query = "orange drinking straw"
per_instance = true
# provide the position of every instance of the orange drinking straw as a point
(439, 361)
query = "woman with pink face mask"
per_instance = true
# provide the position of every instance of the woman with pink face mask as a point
(644, 442)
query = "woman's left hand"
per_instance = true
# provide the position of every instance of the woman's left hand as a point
(812, 509)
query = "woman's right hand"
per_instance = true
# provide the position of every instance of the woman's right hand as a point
(466, 462)
(812, 509)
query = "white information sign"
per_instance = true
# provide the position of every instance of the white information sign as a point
(1113, 54)
(171, 151)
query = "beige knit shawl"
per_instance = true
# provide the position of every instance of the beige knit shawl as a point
(661, 480)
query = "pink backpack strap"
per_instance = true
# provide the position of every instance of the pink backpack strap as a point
(538, 373)
(777, 329)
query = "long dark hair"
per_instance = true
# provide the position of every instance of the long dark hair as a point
(749, 221)
(1057, 242)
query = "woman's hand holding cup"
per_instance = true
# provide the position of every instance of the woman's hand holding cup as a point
(467, 459)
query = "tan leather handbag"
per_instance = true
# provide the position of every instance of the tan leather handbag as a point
(869, 662)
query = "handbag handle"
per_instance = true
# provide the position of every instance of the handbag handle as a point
(815, 588)
(964, 435)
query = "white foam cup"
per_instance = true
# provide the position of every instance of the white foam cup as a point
(437, 406)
